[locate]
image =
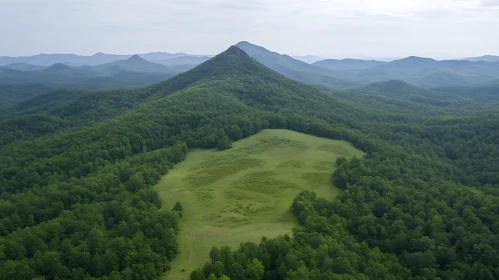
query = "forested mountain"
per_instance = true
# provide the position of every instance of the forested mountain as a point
(422, 203)
(20, 85)
(295, 69)
(118, 219)
(11, 95)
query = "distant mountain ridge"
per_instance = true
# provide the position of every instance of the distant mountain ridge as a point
(79, 60)
(132, 72)
(428, 72)
(336, 73)
(486, 58)
(23, 66)
(136, 64)
(293, 68)
(420, 71)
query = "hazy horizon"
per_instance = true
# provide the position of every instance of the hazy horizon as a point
(440, 29)
(305, 57)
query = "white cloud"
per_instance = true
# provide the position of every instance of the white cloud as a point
(333, 28)
(490, 3)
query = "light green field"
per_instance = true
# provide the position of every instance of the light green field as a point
(244, 193)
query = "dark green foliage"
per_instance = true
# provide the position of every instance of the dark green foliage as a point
(179, 209)
(224, 143)
(93, 224)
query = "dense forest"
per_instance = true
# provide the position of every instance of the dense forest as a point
(76, 169)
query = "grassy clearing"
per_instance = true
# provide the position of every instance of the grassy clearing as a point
(245, 193)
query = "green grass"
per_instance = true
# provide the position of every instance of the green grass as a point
(244, 193)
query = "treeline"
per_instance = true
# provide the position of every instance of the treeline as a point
(106, 224)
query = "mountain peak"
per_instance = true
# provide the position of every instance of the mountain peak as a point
(416, 58)
(135, 57)
(234, 50)
(245, 45)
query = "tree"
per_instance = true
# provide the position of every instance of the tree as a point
(224, 143)
(255, 270)
(214, 255)
(135, 183)
(179, 209)
(197, 275)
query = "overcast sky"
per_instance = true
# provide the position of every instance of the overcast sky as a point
(331, 28)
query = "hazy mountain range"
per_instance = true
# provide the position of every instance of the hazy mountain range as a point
(109, 70)
(80, 60)
(132, 72)
(425, 72)
(486, 58)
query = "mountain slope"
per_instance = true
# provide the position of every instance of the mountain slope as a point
(293, 68)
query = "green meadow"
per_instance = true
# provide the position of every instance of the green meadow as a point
(244, 193)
